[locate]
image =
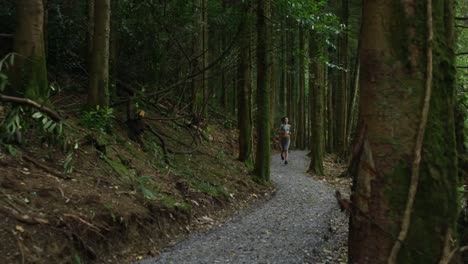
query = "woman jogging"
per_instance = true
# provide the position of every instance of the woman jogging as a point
(285, 130)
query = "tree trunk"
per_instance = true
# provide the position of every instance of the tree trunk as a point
(300, 134)
(90, 35)
(292, 77)
(330, 114)
(29, 73)
(98, 94)
(244, 92)
(200, 55)
(317, 88)
(45, 4)
(342, 87)
(114, 49)
(397, 150)
(284, 70)
(262, 159)
(273, 82)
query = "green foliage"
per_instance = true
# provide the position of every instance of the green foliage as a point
(99, 119)
(12, 150)
(13, 124)
(147, 187)
(77, 259)
(5, 64)
(49, 125)
(67, 164)
(221, 156)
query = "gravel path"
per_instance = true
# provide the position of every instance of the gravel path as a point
(288, 228)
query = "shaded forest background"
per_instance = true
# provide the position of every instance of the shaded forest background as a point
(174, 78)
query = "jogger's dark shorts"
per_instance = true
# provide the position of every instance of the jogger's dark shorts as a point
(285, 143)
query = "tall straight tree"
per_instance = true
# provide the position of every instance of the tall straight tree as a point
(29, 74)
(405, 158)
(330, 112)
(245, 91)
(317, 93)
(342, 83)
(200, 56)
(90, 34)
(301, 112)
(98, 93)
(262, 158)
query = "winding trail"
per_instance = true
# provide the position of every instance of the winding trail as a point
(288, 228)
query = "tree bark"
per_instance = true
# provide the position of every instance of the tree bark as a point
(262, 159)
(394, 75)
(98, 94)
(90, 35)
(200, 56)
(301, 130)
(342, 86)
(244, 92)
(29, 73)
(317, 89)
(330, 114)
(114, 47)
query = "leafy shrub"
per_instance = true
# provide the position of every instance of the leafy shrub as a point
(99, 119)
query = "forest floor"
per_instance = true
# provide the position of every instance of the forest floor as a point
(122, 202)
(301, 223)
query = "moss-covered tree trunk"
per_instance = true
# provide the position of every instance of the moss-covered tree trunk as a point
(394, 80)
(29, 74)
(245, 93)
(98, 92)
(262, 158)
(317, 89)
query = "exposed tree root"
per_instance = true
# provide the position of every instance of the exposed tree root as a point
(24, 218)
(43, 166)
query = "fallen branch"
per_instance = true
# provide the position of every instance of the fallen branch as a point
(92, 227)
(24, 218)
(25, 101)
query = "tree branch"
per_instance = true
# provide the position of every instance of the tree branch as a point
(25, 101)
(462, 53)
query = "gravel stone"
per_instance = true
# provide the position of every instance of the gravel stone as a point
(288, 228)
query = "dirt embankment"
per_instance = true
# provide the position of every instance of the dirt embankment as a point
(121, 195)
